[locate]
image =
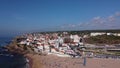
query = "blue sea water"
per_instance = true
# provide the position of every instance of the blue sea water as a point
(7, 59)
(5, 40)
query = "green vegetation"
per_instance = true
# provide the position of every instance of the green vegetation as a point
(104, 39)
(81, 31)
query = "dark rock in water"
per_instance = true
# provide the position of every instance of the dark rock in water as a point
(8, 59)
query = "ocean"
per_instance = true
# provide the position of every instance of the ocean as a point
(7, 59)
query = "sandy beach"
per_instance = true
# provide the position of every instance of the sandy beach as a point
(52, 61)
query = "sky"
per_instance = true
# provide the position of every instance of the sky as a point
(19, 16)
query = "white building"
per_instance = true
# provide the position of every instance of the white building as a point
(40, 48)
(118, 34)
(109, 33)
(23, 42)
(60, 40)
(76, 38)
(115, 34)
(97, 33)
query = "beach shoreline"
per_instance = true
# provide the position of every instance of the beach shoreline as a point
(52, 61)
(33, 61)
(29, 61)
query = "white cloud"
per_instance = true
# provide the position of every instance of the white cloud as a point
(111, 18)
(110, 22)
(97, 18)
(117, 14)
(73, 25)
(62, 27)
